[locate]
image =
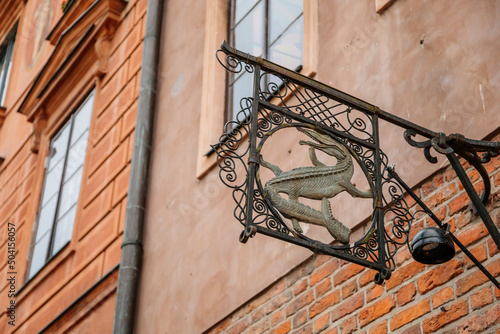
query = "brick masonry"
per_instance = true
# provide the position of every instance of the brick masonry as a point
(95, 247)
(327, 295)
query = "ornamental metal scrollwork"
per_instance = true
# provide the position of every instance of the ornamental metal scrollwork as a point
(233, 64)
(347, 129)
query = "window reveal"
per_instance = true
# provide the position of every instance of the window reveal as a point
(6, 50)
(272, 29)
(63, 176)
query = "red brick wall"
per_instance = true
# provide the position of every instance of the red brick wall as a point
(327, 295)
(95, 247)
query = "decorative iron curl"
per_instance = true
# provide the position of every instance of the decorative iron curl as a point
(228, 158)
(273, 223)
(242, 120)
(228, 170)
(372, 243)
(231, 154)
(366, 251)
(233, 64)
(268, 214)
(259, 205)
(240, 198)
(270, 122)
(229, 161)
(317, 107)
(426, 145)
(400, 225)
(277, 118)
(273, 86)
(390, 249)
(359, 124)
(263, 124)
(365, 157)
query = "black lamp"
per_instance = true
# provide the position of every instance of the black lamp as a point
(433, 245)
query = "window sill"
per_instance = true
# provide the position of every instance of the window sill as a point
(382, 5)
(3, 112)
(55, 260)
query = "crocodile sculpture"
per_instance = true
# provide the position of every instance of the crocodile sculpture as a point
(318, 182)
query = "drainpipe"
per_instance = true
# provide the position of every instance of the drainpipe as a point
(132, 249)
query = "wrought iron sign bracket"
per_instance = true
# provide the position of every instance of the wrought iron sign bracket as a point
(346, 128)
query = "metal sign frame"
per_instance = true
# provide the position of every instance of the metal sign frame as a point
(284, 99)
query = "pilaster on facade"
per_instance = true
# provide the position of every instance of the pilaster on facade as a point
(95, 47)
(81, 44)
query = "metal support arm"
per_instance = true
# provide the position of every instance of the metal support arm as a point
(348, 129)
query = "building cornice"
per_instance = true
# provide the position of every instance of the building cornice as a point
(9, 12)
(84, 40)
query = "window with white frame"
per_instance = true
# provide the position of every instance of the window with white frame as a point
(6, 50)
(272, 29)
(63, 177)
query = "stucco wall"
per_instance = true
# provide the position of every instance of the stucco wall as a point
(331, 296)
(49, 296)
(433, 63)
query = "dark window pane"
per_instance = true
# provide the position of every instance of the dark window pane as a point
(64, 230)
(70, 192)
(59, 146)
(249, 33)
(242, 8)
(3, 75)
(282, 13)
(46, 218)
(39, 254)
(242, 87)
(3, 62)
(76, 156)
(6, 65)
(53, 181)
(82, 119)
(287, 50)
(5, 80)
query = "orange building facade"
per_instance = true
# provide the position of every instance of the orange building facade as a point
(72, 72)
(71, 96)
(433, 63)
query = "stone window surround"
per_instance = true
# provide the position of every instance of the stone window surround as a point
(7, 43)
(61, 122)
(382, 5)
(48, 127)
(47, 106)
(214, 75)
(266, 13)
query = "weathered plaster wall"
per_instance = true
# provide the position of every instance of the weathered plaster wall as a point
(330, 296)
(94, 249)
(434, 63)
(430, 62)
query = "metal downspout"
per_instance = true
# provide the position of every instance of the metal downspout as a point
(132, 249)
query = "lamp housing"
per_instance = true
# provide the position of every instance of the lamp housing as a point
(432, 245)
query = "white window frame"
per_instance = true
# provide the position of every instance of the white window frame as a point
(6, 51)
(266, 45)
(74, 151)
